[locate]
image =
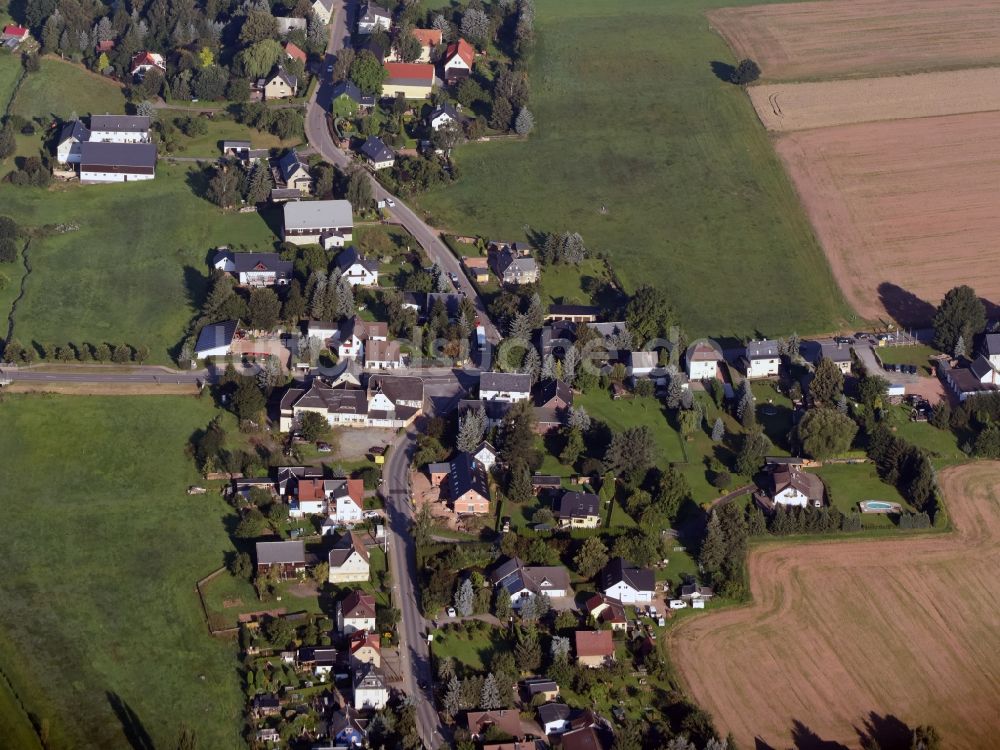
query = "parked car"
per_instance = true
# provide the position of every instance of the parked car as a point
(677, 604)
(390, 202)
(843, 340)
(323, 447)
(451, 612)
(505, 524)
(453, 277)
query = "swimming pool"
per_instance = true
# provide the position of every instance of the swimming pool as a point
(879, 506)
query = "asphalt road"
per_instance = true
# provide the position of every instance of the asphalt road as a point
(320, 139)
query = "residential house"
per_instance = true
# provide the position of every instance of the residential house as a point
(554, 718)
(543, 686)
(104, 45)
(978, 378)
(74, 133)
(411, 80)
(643, 364)
(283, 195)
(524, 581)
(236, 150)
(628, 583)
(376, 154)
(441, 115)
(268, 735)
(345, 501)
(254, 269)
(514, 267)
(990, 349)
(478, 269)
(365, 648)
(288, 557)
(545, 483)
(215, 340)
(428, 38)
(485, 455)
(117, 162)
(572, 313)
(594, 648)
(507, 721)
(347, 728)
(144, 62)
(762, 359)
(371, 17)
(309, 499)
(458, 60)
(438, 472)
(470, 488)
(294, 173)
(119, 129)
(289, 476)
(370, 689)
(390, 401)
(346, 373)
(323, 10)
(280, 85)
(292, 52)
(839, 354)
(324, 330)
(703, 359)
(349, 559)
(328, 223)
(504, 386)
(692, 592)
(321, 661)
(287, 24)
(552, 401)
(353, 334)
(265, 705)
(383, 355)
(13, 36)
(606, 610)
(356, 612)
(790, 487)
(579, 510)
(348, 100)
(587, 738)
(358, 270)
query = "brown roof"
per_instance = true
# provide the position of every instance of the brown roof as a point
(594, 643)
(704, 352)
(463, 49)
(427, 37)
(356, 489)
(382, 351)
(507, 721)
(362, 638)
(358, 604)
(292, 50)
(476, 262)
(808, 484)
(344, 547)
(310, 489)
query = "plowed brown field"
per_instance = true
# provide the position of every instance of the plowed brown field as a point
(849, 38)
(803, 106)
(909, 204)
(840, 632)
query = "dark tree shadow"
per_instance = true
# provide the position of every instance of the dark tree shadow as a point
(884, 733)
(803, 738)
(904, 306)
(723, 71)
(136, 734)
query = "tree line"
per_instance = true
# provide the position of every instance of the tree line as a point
(16, 352)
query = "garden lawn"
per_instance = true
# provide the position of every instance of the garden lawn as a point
(10, 71)
(221, 128)
(941, 444)
(918, 355)
(135, 271)
(474, 652)
(849, 484)
(697, 201)
(101, 631)
(61, 88)
(636, 412)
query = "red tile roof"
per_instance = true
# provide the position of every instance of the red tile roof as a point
(12, 30)
(356, 489)
(358, 604)
(427, 37)
(463, 49)
(310, 489)
(417, 71)
(362, 638)
(293, 51)
(594, 643)
(105, 45)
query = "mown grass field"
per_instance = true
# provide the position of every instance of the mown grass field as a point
(15, 726)
(10, 71)
(221, 128)
(136, 268)
(630, 116)
(60, 88)
(101, 630)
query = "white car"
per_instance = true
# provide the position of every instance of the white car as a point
(451, 612)
(390, 202)
(677, 604)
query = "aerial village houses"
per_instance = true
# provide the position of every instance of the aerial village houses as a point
(506, 721)
(458, 60)
(579, 510)
(289, 558)
(703, 359)
(762, 359)
(594, 648)
(216, 339)
(409, 80)
(470, 489)
(143, 62)
(329, 223)
(279, 85)
(389, 401)
(356, 613)
(371, 17)
(352, 335)
(348, 100)
(376, 154)
(14, 36)
(117, 162)
(294, 173)
(607, 610)
(292, 52)
(504, 386)
(370, 690)
(627, 583)
(349, 560)
(572, 314)
(514, 266)
(524, 581)
(254, 269)
(429, 39)
(323, 10)
(786, 484)
(442, 115)
(365, 648)
(358, 270)
(383, 355)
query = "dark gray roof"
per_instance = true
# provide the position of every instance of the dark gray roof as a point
(444, 109)
(495, 410)
(350, 255)
(836, 352)
(762, 349)
(618, 570)
(353, 92)
(281, 552)
(74, 129)
(369, 11)
(397, 387)
(540, 685)
(991, 344)
(216, 334)
(578, 505)
(468, 475)
(290, 163)
(980, 367)
(136, 155)
(574, 310)
(244, 262)
(554, 389)
(287, 77)
(120, 123)
(549, 712)
(505, 381)
(375, 150)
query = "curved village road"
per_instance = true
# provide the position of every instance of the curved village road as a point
(320, 139)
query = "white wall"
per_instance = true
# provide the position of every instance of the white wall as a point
(112, 177)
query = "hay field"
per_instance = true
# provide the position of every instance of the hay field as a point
(861, 637)
(850, 38)
(800, 106)
(905, 210)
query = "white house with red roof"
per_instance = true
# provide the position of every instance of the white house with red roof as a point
(13, 36)
(293, 52)
(143, 62)
(458, 60)
(345, 500)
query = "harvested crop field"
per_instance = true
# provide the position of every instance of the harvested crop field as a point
(800, 106)
(905, 210)
(850, 38)
(851, 638)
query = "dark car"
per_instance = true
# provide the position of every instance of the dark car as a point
(843, 340)
(913, 369)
